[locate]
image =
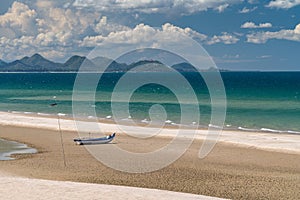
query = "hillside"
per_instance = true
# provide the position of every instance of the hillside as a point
(37, 63)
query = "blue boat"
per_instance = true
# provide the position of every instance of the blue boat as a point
(102, 140)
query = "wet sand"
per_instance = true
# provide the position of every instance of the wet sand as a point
(229, 171)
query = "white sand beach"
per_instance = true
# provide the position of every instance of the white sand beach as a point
(15, 188)
(242, 165)
(260, 140)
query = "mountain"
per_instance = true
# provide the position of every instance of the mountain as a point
(102, 61)
(148, 66)
(185, 67)
(2, 63)
(75, 62)
(37, 63)
(31, 64)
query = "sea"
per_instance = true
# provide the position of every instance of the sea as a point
(7, 148)
(255, 101)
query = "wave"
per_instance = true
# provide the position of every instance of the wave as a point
(247, 129)
(293, 132)
(279, 131)
(43, 114)
(215, 126)
(192, 124)
(271, 130)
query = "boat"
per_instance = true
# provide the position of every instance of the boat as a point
(102, 140)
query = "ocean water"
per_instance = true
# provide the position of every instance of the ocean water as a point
(267, 101)
(7, 148)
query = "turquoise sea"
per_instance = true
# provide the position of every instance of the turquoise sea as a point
(268, 101)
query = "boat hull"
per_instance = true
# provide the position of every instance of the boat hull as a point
(102, 140)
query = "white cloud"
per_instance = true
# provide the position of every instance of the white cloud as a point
(297, 29)
(104, 27)
(143, 34)
(19, 20)
(284, 4)
(247, 10)
(253, 25)
(61, 32)
(225, 38)
(265, 56)
(156, 6)
(45, 4)
(226, 56)
(285, 34)
(221, 8)
(253, 1)
(169, 28)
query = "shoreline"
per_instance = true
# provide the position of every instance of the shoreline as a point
(286, 143)
(168, 124)
(229, 171)
(18, 148)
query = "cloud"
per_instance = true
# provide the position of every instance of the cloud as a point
(285, 34)
(283, 4)
(62, 31)
(58, 32)
(253, 25)
(143, 34)
(221, 8)
(247, 10)
(226, 56)
(225, 38)
(19, 20)
(155, 6)
(253, 1)
(265, 56)
(45, 4)
(23, 29)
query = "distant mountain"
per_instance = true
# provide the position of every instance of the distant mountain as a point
(74, 63)
(37, 63)
(2, 63)
(186, 67)
(101, 61)
(34, 63)
(109, 65)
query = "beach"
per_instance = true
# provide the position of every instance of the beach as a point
(235, 169)
(149, 99)
(45, 189)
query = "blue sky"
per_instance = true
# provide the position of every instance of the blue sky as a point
(238, 34)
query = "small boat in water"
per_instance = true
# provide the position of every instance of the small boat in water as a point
(102, 140)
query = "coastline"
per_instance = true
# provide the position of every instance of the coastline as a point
(277, 142)
(235, 171)
(12, 147)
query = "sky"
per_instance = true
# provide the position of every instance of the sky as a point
(237, 34)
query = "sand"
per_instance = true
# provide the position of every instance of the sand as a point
(16, 188)
(234, 169)
(288, 143)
